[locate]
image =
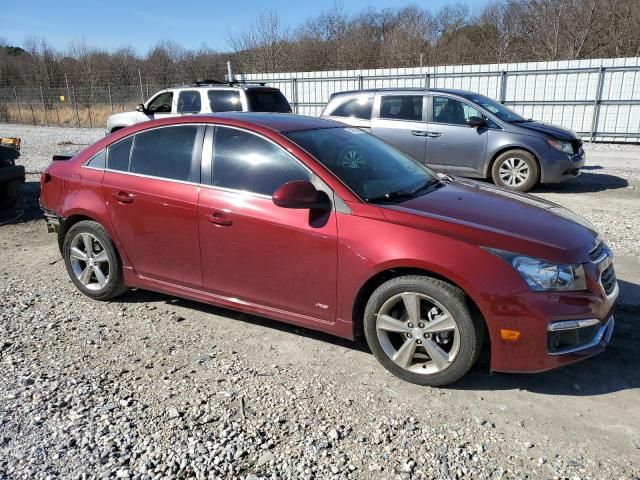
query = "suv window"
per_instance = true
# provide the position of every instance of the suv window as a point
(161, 104)
(267, 100)
(355, 108)
(452, 111)
(401, 107)
(165, 152)
(244, 161)
(189, 101)
(224, 101)
(118, 155)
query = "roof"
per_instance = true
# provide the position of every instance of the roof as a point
(279, 122)
(406, 89)
(233, 86)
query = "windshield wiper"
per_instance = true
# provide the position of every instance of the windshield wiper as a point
(432, 182)
(522, 120)
(399, 194)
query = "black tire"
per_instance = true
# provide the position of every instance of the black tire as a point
(114, 285)
(10, 193)
(450, 297)
(532, 170)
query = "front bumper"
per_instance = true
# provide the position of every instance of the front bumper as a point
(557, 167)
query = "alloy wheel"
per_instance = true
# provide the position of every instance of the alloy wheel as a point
(418, 333)
(89, 261)
(352, 159)
(514, 171)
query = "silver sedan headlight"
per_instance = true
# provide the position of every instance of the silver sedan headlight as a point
(542, 275)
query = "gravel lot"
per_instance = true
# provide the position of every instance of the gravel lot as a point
(151, 386)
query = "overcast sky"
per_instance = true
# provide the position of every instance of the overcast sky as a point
(142, 23)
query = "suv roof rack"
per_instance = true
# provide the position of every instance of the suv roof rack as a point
(204, 83)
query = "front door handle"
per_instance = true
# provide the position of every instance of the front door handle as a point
(123, 197)
(434, 134)
(219, 218)
(418, 133)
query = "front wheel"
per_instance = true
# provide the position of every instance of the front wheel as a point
(421, 330)
(92, 261)
(515, 170)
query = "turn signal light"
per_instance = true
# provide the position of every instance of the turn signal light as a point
(509, 335)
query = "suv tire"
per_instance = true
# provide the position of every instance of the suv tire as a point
(515, 170)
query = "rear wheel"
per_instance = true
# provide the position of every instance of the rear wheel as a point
(92, 261)
(515, 170)
(421, 330)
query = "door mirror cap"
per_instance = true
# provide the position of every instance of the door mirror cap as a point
(301, 194)
(475, 122)
(140, 108)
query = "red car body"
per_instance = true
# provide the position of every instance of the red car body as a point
(244, 252)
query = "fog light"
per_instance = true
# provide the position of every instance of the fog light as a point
(509, 335)
(570, 324)
(570, 334)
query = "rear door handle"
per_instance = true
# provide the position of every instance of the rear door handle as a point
(220, 218)
(123, 197)
(434, 134)
(418, 133)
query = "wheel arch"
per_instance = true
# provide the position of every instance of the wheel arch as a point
(365, 291)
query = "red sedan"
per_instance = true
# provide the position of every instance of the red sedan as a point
(320, 225)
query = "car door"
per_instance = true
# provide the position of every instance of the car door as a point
(452, 145)
(151, 190)
(254, 251)
(399, 119)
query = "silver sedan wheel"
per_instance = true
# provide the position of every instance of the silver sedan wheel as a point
(89, 261)
(514, 171)
(352, 159)
(418, 333)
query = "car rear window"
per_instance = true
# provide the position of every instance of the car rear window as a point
(165, 152)
(267, 101)
(224, 101)
(355, 108)
(401, 107)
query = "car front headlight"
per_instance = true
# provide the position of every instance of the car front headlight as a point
(542, 275)
(565, 147)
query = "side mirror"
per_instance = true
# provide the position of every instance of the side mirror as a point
(301, 194)
(140, 108)
(475, 122)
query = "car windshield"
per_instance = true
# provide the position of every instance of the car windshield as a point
(499, 110)
(372, 169)
(267, 100)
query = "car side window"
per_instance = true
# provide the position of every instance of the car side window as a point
(355, 108)
(401, 107)
(161, 104)
(224, 101)
(165, 152)
(189, 101)
(118, 155)
(452, 111)
(247, 162)
(99, 160)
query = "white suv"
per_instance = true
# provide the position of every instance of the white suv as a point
(203, 97)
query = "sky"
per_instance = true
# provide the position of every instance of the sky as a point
(142, 23)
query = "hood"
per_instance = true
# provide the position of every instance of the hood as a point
(493, 217)
(551, 130)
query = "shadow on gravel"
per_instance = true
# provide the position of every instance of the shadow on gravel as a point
(28, 207)
(586, 182)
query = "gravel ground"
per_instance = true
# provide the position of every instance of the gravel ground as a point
(150, 386)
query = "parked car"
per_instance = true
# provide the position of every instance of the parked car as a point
(265, 213)
(463, 133)
(203, 97)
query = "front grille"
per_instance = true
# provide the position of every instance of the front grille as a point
(576, 144)
(608, 279)
(598, 251)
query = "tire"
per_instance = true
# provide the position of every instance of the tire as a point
(459, 339)
(508, 170)
(10, 193)
(103, 259)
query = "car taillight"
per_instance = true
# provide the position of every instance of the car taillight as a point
(45, 177)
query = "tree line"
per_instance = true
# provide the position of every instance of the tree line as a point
(502, 31)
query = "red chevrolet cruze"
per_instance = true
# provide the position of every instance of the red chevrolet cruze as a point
(321, 225)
